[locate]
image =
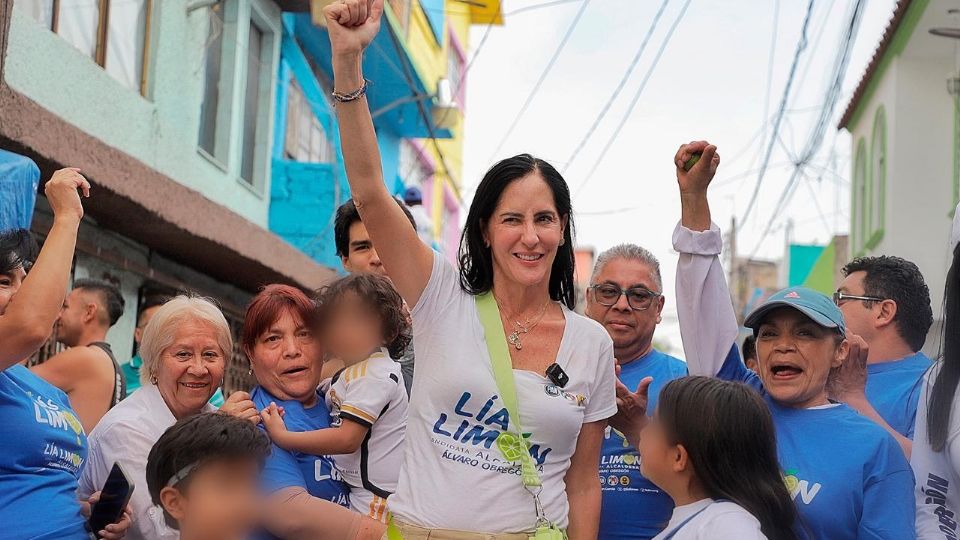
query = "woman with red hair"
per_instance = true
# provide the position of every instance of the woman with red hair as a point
(306, 498)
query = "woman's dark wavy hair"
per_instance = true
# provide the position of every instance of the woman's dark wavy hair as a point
(18, 249)
(728, 434)
(943, 389)
(476, 261)
(378, 294)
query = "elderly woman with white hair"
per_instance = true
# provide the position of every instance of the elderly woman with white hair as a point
(184, 350)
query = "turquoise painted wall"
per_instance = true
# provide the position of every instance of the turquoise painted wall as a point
(161, 128)
(802, 259)
(305, 196)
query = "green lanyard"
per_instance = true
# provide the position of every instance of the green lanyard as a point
(511, 444)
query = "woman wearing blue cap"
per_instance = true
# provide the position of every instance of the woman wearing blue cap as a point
(848, 477)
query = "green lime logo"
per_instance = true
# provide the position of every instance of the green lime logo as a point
(511, 446)
(629, 459)
(72, 421)
(791, 480)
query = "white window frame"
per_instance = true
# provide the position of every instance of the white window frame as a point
(237, 17)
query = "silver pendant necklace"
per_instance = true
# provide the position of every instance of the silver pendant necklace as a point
(525, 327)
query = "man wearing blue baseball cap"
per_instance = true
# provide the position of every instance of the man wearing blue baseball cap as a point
(413, 198)
(847, 475)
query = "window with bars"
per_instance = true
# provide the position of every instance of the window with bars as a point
(113, 33)
(305, 139)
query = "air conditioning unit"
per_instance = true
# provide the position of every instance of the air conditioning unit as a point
(446, 112)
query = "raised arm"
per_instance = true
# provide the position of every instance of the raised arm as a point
(28, 320)
(353, 24)
(708, 324)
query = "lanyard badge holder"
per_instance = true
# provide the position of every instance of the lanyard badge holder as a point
(513, 446)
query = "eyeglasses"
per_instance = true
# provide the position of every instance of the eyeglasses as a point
(841, 297)
(638, 298)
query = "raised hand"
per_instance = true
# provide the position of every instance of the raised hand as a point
(352, 25)
(694, 207)
(61, 192)
(696, 180)
(631, 415)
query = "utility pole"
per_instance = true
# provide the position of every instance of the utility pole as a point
(785, 261)
(735, 278)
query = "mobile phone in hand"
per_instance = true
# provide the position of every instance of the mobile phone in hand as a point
(114, 498)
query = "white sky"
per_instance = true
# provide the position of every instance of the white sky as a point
(711, 83)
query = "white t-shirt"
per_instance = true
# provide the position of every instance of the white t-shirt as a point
(936, 473)
(372, 394)
(126, 434)
(709, 519)
(453, 475)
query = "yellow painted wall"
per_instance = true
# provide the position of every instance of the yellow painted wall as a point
(430, 60)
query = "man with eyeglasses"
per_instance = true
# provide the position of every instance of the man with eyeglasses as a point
(885, 301)
(626, 297)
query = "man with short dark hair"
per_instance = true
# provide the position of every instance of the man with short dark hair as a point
(886, 302)
(353, 243)
(358, 256)
(87, 371)
(204, 474)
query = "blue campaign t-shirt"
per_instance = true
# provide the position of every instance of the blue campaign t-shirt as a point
(42, 452)
(846, 474)
(893, 388)
(633, 507)
(284, 468)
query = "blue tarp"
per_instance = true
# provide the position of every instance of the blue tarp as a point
(19, 179)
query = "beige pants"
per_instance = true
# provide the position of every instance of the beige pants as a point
(411, 532)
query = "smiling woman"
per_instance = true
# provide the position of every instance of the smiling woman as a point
(183, 348)
(516, 250)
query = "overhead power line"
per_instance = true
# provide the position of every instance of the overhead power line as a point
(620, 85)
(815, 140)
(801, 45)
(635, 99)
(543, 77)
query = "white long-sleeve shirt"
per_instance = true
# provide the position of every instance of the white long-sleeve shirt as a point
(708, 323)
(126, 434)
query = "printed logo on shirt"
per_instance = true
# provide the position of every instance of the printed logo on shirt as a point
(46, 412)
(803, 488)
(470, 433)
(553, 390)
(936, 491)
(619, 464)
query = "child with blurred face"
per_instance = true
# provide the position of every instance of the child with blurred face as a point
(204, 472)
(364, 324)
